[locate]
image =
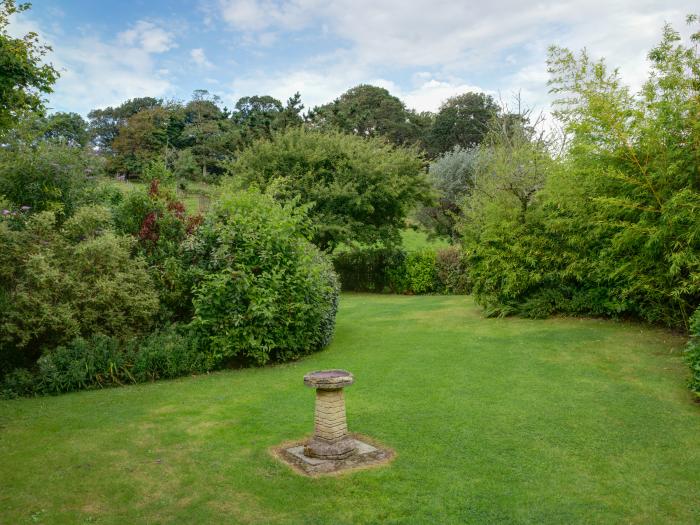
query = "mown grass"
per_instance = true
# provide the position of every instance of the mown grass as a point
(414, 240)
(493, 421)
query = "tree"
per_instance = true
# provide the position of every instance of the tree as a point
(256, 116)
(452, 175)
(105, 123)
(461, 121)
(69, 128)
(143, 138)
(371, 111)
(23, 77)
(615, 228)
(207, 133)
(360, 190)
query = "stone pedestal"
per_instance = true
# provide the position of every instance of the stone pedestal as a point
(331, 439)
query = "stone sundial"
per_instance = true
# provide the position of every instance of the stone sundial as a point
(332, 448)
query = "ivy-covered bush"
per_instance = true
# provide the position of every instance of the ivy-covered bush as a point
(262, 291)
(60, 283)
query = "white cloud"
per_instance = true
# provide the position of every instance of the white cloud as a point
(97, 71)
(499, 44)
(199, 57)
(148, 37)
(430, 94)
(322, 85)
(423, 51)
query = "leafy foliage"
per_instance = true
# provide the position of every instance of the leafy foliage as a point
(371, 111)
(462, 121)
(360, 190)
(101, 361)
(613, 228)
(49, 176)
(391, 269)
(262, 292)
(692, 353)
(24, 77)
(452, 176)
(56, 284)
(368, 269)
(161, 225)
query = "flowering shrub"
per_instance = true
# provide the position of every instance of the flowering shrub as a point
(160, 224)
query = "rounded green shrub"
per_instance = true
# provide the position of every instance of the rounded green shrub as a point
(262, 291)
(48, 176)
(57, 284)
(421, 272)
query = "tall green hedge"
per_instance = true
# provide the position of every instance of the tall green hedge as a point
(397, 271)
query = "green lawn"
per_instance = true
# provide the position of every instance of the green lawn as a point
(494, 421)
(413, 240)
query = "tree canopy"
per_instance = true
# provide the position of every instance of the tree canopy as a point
(371, 111)
(461, 121)
(360, 189)
(24, 78)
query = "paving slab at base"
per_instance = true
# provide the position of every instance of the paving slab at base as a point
(368, 455)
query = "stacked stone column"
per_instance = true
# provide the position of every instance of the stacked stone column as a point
(331, 439)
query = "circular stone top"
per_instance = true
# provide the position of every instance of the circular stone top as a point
(329, 379)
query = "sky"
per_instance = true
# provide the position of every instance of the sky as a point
(422, 51)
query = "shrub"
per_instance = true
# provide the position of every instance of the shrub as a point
(390, 269)
(165, 354)
(48, 176)
(370, 269)
(451, 269)
(692, 353)
(160, 225)
(56, 284)
(421, 273)
(101, 361)
(612, 226)
(262, 292)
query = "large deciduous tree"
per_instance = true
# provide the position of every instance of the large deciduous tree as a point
(371, 111)
(360, 190)
(104, 124)
(23, 76)
(461, 121)
(142, 139)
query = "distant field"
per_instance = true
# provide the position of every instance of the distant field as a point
(418, 240)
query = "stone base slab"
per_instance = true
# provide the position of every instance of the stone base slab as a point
(368, 454)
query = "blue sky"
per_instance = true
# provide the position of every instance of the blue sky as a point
(422, 51)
